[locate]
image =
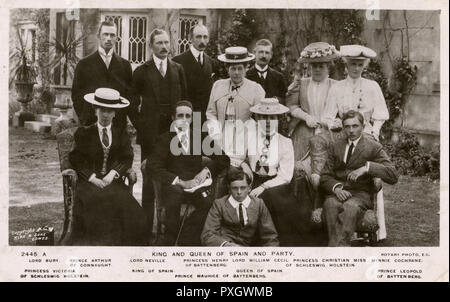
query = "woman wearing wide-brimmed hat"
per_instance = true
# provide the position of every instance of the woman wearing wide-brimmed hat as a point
(230, 101)
(105, 212)
(270, 156)
(307, 100)
(358, 93)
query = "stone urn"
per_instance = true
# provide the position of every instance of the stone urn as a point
(24, 97)
(63, 103)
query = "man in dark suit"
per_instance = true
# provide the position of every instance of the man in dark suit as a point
(176, 161)
(158, 85)
(271, 80)
(198, 67)
(352, 164)
(103, 68)
(238, 219)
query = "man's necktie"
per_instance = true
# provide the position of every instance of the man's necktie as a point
(241, 215)
(349, 153)
(183, 141)
(161, 69)
(107, 61)
(261, 74)
(105, 138)
(200, 60)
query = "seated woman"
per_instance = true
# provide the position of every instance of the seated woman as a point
(270, 156)
(105, 212)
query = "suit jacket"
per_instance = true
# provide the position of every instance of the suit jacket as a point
(91, 73)
(165, 166)
(367, 150)
(146, 93)
(222, 224)
(198, 78)
(87, 156)
(274, 84)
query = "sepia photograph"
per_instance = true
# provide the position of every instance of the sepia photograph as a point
(257, 127)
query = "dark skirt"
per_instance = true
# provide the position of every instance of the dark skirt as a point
(291, 213)
(109, 216)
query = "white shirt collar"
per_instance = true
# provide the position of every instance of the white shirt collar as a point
(235, 204)
(158, 61)
(100, 127)
(103, 53)
(355, 142)
(195, 52)
(261, 69)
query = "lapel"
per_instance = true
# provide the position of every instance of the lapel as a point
(304, 102)
(97, 144)
(358, 150)
(252, 211)
(172, 73)
(231, 212)
(154, 75)
(340, 148)
(115, 138)
(99, 62)
(207, 65)
(197, 68)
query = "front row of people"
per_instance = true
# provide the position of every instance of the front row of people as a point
(260, 208)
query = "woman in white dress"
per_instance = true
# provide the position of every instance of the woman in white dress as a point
(357, 93)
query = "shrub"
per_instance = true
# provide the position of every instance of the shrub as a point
(412, 159)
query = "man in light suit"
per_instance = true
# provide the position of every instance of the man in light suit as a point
(103, 68)
(158, 85)
(239, 219)
(352, 164)
(198, 68)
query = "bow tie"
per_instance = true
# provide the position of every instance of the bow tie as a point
(233, 88)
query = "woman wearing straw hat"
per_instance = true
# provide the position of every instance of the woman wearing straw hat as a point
(270, 156)
(230, 101)
(307, 102)
(106, 212)
(358, 93)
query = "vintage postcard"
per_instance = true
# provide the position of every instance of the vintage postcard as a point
(224, 141)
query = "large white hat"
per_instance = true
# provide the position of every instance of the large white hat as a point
(269, 106)
(236, 54)
(107, 97)
(357, 52)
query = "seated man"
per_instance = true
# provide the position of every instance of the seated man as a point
(175, 163)
(237, 219)
(106, 213)
(347, 178)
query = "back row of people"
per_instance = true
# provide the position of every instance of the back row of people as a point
(155, 89)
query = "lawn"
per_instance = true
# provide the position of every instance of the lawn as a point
(35, 188)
